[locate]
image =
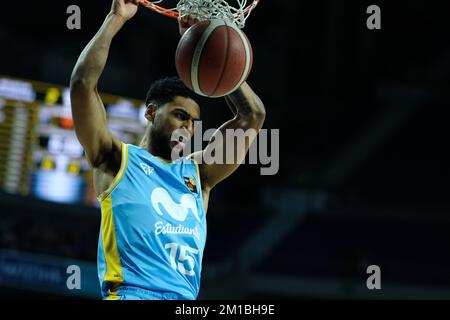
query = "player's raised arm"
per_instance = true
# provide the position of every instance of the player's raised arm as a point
(101, 147)
(248, 120)
(249, 114)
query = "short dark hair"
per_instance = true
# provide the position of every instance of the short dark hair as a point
(165, 90)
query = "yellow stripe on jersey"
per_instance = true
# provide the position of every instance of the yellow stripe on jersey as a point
(113, 267)
(119, 175)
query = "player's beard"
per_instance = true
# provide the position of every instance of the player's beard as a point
(159, 140)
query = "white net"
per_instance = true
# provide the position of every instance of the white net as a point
(215, 9)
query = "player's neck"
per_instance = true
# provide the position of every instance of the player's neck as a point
(155, 150)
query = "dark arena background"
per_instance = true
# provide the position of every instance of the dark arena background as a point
(364, 155)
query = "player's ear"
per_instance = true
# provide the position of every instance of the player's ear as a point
(150, 112)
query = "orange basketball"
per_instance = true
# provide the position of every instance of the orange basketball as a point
(214, 58)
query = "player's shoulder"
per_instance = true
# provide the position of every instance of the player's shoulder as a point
(144, 153)
(133, 148)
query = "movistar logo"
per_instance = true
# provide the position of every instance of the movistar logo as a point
(161, 199)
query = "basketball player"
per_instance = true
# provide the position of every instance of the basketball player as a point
(153, 224)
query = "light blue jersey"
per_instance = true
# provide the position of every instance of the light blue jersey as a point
(153, 229)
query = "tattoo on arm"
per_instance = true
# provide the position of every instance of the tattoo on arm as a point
(240, 102)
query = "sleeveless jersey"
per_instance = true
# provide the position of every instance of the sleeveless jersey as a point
(153, 227)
